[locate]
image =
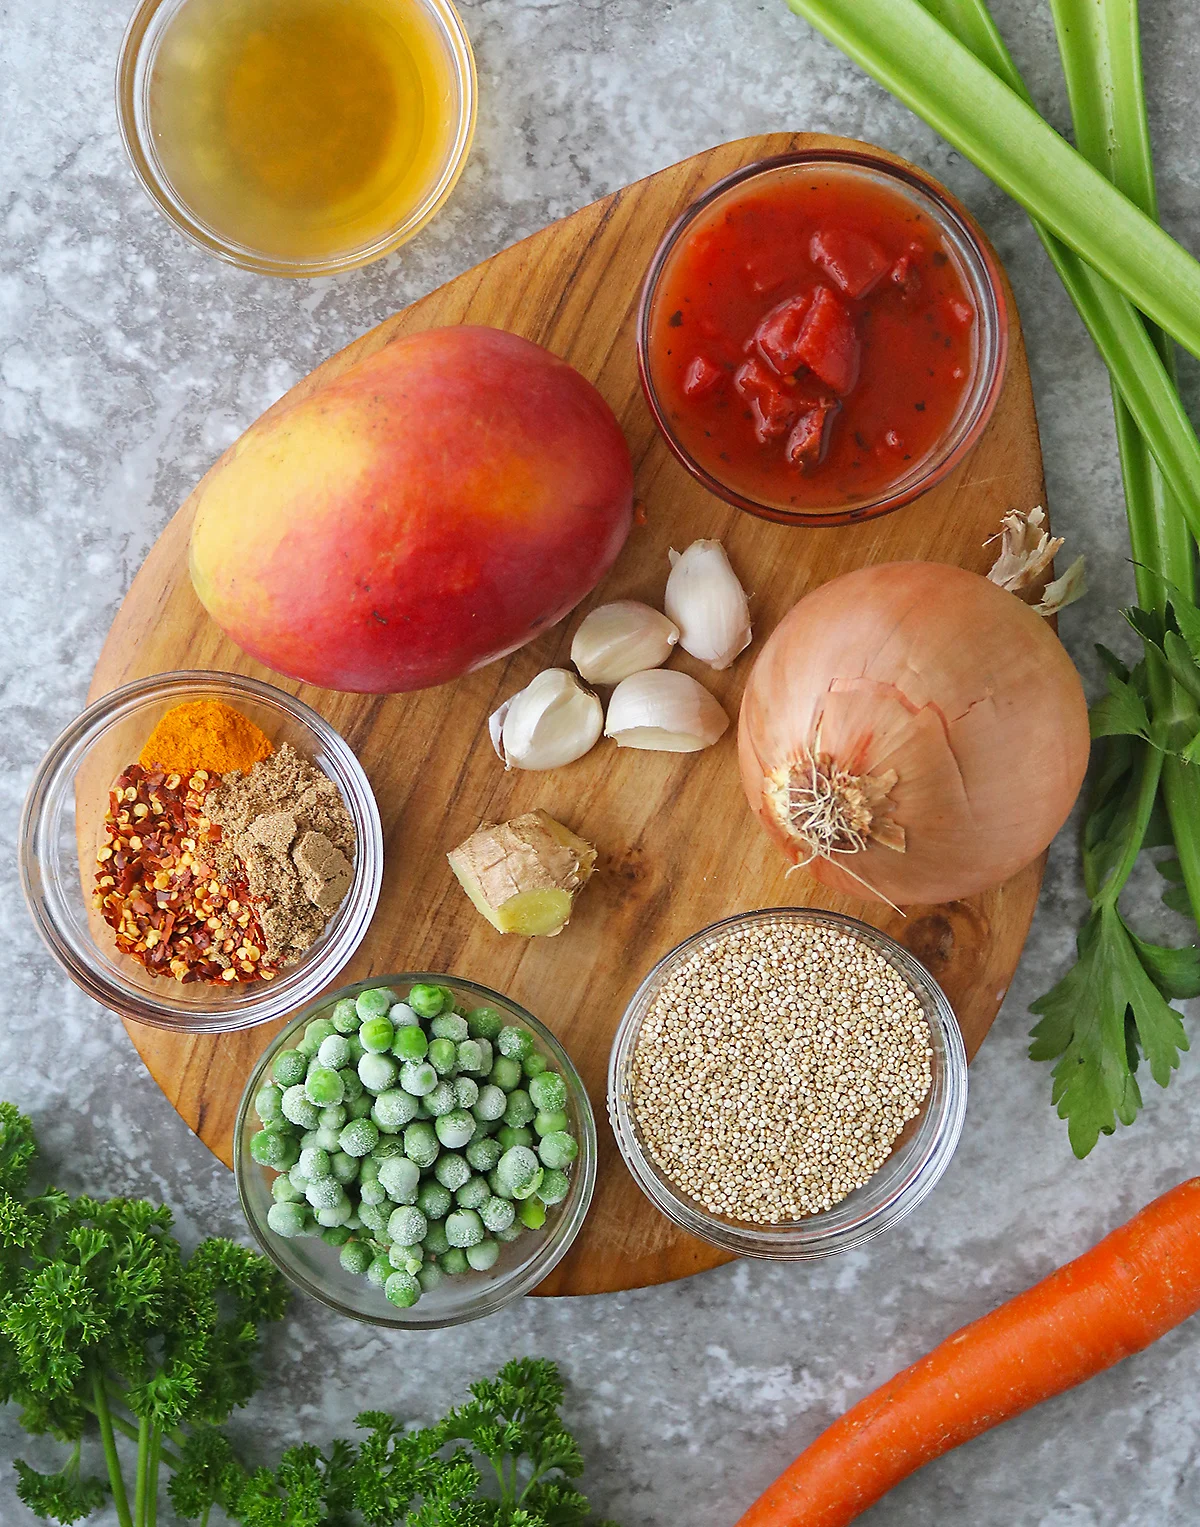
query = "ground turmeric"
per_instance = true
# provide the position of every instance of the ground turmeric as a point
(204, 734)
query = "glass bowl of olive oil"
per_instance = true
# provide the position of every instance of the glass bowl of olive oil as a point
(297, 137)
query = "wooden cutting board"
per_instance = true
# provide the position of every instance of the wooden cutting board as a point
(678, 846)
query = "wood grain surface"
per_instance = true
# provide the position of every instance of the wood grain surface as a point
(678, 847)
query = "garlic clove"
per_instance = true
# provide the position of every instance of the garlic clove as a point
(664, 711)
(708, 604)
(551, 722)
(622, 638)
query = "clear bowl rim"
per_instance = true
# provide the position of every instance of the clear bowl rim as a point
(524, 1278)
(805, 1240)
(57, 770)
(142, 161)
(966, 435)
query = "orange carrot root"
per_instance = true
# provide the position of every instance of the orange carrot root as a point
(1138, 1283)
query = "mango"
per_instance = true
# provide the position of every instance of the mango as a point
(435, 507)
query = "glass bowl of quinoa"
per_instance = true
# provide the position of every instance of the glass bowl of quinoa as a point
(184, 897)
(787, 1083)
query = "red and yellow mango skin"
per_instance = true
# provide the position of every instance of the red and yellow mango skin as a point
(434, 508)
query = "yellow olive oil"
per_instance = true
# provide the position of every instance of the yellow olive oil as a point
(302, 129)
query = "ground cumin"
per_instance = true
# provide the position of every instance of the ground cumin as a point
(205, 734)
(285, 827)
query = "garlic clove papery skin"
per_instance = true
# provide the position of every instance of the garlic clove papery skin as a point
(708, 604)
(552, 721)
(620, 639)
(664, 711)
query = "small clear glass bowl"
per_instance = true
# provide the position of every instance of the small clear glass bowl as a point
(918, 1160)
(135, 71)
(979, 268)
(314, 1267)
(69, 792)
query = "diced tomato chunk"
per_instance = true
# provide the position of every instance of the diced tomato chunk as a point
(806, 443)
(852, 261)
(906, 275)
(700, 377)
(828, 344)
(773, 411)
(777, 334)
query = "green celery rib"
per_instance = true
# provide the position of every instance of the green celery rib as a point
(916, 58)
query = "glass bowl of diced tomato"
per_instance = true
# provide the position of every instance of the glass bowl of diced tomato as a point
(822, 335)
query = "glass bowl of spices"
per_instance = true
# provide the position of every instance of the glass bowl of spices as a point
(787, 1084)
(201, 851)
(415, 1151)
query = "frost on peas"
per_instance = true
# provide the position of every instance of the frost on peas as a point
(466, 1092)
(400, 1179)
(484, 1154)
(333, 1117)
(286, 1219)
(513, 1042)
(484, 1023)
(554, 1187)
(324, 1193)
(377, 1034)
(449, 1026)
(374, 1003)
(520, 1171)
(406, 1258)
(407, 1225)
(558, 1149)
(316, 1032)
(513, 1233)
(379, 1271)
(336, 1214)
(483, 1128)
(327, 1139)
(452, 1171)
(487, 1057)
(285, 1191)
(418, 1077)
(323, 1086)
(363, 1107)
(376, 1072)
(443, 1056)
(519, 1110)
(464, 1228)
(483, 1256)
(421, 1143)
(393, 1109)
(335, 1235)
(455, 1129)
(289, 1067)
(343, 1168)
(497, 1214)
(427, 1001)
(368, 1169)
(505, 1073)
(352, 1087)
(372, 1192)
(357, 1049)
(297, 1178)
(453, 1261)
(474, 1193)
(402, 1290)
(359, 1138)
(410, 1043)
(334, 1052)
(344, 1016)
(402, 1015)
(297, 1109)
(374, 1216)
(430, 1277)
(434, 1201)
(440, 1100)
(550, 1123)
(355, 1258)
(470, 1057)
(270, 1148)
(268, 1105)
(490, 1104)
(548, 1092)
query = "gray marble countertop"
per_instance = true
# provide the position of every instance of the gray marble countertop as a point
(129, 360)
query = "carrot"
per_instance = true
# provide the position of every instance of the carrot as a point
(1137, 1284)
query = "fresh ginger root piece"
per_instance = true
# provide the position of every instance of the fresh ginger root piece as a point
(523, 874)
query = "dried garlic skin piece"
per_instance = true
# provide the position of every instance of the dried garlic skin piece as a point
(1026, 557)
(622, 638)
(523, 875)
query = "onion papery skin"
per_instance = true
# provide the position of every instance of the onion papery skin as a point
(954, 684)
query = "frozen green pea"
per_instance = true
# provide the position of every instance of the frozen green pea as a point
(372, 1192)
(435, 1241)
(407, 1258)
(455, 1129)
(466, 1092)
(380, 1271)
(474, 1193)
(324, 1086)
(407, 1225)
(285, 1191)
(520, 1171)
(352, 1087)
(519, 1109)
(487, 1057)
(311, 1140)
(484, 1128)
(374, 1003)
(402, 1016)
(359, 1138)
(464, 1228)
(449, 1026)
(297, 1178)
(421, 1143)
(316, 1032)
(355, 1258)
(368, 1168)
(393, 1109)
(429, 1277)
(334, 1052)
(534, 1064)
(451, 1171)
(484, 1154)
(469, 1053)
(357, 1049)
(490, 1104)
(335, 1235)
(510, 1137)
(336, 1214)
(388, 1145)
(286, 1219)
(497, 1214)
(400, 1178)
(548, 1092)
(410, 1043)
(513, 1233)
(297, 1108)
(497, 1184)
(326, 1139)
(289, 1067)
(453, 1261)
(550, 1123)
(513, 1042)
(440, 1100)
(505, 1073)
(434, 1201)
(344, 1016)
(554, 1187)
(268, 1105)
(375, 1216)
(427, 1001)
(324, 1193)
(333, 1117)
(532, 1213)
(269, 1148)
(443, 1056)
(376, 1072)
(307, 1050)
(418, 1077)
(485, 1255)
(558, 1149)
(484, 1023)
(343, 1168)
(377, 1034)
(362, 1107)
(280, 1126)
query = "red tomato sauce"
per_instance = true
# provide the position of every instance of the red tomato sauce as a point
(812, 339)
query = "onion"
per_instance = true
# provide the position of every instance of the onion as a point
(913, 733)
